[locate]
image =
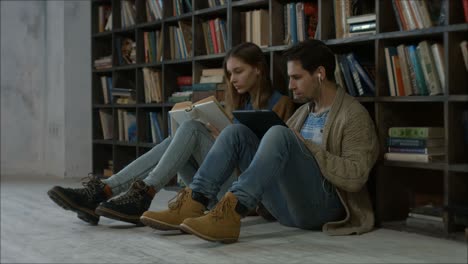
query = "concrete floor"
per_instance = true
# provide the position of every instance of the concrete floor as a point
(34, 230)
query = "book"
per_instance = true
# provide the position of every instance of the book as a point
(416, 132)
(412, 157)
(464, 50)
(415, 142)
(430, 150)
(361, 19)
(439, 60)
(428, 68)
(420, 223)
(389, 52)
(207, 110)
(428, 217)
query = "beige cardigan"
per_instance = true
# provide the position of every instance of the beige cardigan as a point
(348, 152)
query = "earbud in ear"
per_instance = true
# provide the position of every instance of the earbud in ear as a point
(320, 77)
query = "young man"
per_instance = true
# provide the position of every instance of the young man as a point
(311, 175)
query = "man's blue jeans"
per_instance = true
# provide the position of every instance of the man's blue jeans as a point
(279, 171)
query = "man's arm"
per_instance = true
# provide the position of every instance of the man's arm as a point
(359, 150)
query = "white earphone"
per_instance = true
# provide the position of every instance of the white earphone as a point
(320, 77)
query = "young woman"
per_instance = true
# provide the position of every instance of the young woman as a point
(249, 87)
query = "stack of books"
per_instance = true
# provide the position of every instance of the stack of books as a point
(427, 217)
(416, 144)
(184, 93)
(211, 83)
(360, 25)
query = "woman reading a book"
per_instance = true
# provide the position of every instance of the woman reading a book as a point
(249, 87)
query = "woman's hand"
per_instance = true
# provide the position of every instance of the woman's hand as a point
(213, 130)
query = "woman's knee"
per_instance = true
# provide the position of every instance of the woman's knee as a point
(236, 130)
(277, 133)
(191, 125)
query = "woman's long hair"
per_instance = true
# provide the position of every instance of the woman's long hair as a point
(250, 54)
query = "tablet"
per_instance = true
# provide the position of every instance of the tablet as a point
(259, 121)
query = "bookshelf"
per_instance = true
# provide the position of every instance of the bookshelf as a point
(391, 182)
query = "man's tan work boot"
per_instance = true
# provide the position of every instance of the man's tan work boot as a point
(183, 206)
(221, 224)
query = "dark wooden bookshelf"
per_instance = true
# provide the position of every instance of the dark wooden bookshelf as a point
(390, 182)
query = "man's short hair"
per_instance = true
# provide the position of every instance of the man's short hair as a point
(313, 53)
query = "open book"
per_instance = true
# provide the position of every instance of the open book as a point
(207, 110)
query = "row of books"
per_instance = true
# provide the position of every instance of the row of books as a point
(415, 69)
(256, 27)
(215, 35)
(300, 21)
(127, 13)
(180, 38)
(356, 77)
(152, 82)
(155, 126)
(127, 126)
(104, 18)
(181, 7)
(416, 144)
(215, 3)
(153, 44)
(154, 10)
(417, 14)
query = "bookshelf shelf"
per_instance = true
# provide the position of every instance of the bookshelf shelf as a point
(458, 168)
(389, 180)
(418, 165)
(438, 98)
(103, 142)
(249, 3)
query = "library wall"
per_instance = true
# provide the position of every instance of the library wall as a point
(45, 116)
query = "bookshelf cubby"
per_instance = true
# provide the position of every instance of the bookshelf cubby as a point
(391, 182)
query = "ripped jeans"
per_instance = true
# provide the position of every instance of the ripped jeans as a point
(279, 171)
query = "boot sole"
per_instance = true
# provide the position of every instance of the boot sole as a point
(189, 230)
(158, 224)
(83, 213)
(106, 212)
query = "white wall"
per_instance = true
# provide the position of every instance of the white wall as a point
(45, 88)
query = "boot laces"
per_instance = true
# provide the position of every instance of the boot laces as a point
(176, 202)
(133, 195)
(92, 185)
(220, 211)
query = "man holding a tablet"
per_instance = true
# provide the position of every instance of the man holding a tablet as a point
(311, 174)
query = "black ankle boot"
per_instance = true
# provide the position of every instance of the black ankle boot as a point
(83, 201)
(129, 206)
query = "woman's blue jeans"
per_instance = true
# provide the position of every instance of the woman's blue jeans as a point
(180, 154)
(278, 171)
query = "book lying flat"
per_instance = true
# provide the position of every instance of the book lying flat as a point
(259, 121)
(207, 110)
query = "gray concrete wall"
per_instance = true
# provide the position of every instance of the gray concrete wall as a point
(45, 88)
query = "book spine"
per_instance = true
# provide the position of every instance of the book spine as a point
(406, 142)
(347, 75)
(404, 70)
(429, 151)
(428, 67)
(422, 88)
(362, 74)
(389, 51)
